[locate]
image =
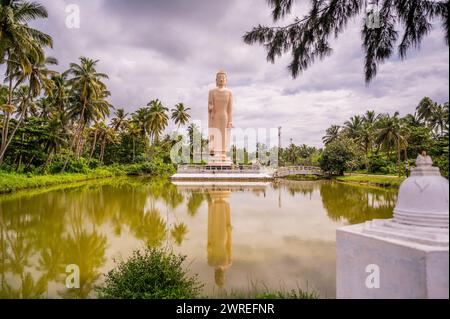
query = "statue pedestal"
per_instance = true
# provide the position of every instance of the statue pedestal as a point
(220, 162)
(408, 269)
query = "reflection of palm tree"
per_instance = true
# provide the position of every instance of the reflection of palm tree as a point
(17, 250)
(87, 251)
(195, 201)
(179, 232)
(29, 288)
(172, 197)
(219, 234)
(152, 228)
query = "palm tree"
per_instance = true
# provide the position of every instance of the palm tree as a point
(158, 118)
(141, 119)
(95, 131)
(425, 109)
(353, 127)
(46, 108)
(108, 136)
(195, 137)
(21, 100)
(119, 120)
(134, 132)
(370, 117)
(98, 111)
(54, 140)
(18, 43)
(89, 92)
(60, 93)
(180, 115)
(38, 80)
(367, 132)
(412, 119)
(439, 118)
(332, 134)
(389, 135)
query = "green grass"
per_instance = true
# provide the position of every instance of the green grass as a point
(11, 182)
(261, 291)
(381, 181)
(303, 177)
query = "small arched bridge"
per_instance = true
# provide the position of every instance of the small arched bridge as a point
(298, 170)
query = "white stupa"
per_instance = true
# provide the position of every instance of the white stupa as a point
(410, 251)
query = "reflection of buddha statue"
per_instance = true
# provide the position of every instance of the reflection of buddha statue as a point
(220, 120)
(219, 234)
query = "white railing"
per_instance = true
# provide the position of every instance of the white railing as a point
(298, 170)
(217, 168)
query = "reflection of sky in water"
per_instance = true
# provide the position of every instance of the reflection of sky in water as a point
(282, 236)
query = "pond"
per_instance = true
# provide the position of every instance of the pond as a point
(280, 235)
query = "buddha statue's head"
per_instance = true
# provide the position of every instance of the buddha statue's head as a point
(221, 79)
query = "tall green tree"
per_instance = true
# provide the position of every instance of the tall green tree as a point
(354, 127)
(141, 119)
(88, 93)
(425, 109)
(18, 44)
(158, 118)
(391, 135)
(331, 134)
(180, 114)
(119, 120)
(38, 80)
(439, 118)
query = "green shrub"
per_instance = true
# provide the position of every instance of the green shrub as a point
(339, 155)
(73, 165)
(154, 167)
(94, 163)
(152, 274)
(377, 164)
(6, 168)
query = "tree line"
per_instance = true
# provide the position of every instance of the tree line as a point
(388, 143)
(60, 122)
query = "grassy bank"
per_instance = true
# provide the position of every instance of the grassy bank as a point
(11, 182)
(303, 178)
(373, 180)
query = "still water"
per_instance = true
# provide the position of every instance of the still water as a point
(279, 235)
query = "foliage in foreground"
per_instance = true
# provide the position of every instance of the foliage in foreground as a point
(151, 274)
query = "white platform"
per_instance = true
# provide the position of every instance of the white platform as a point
(407, 269)
(222, 176)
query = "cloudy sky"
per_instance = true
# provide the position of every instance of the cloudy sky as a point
(172, 49)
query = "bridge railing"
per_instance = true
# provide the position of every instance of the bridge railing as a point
(301, 169)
